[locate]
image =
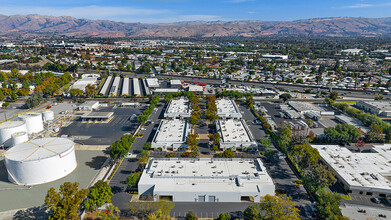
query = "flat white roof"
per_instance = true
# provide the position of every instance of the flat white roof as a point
(174, 130)
(304, 106)
(153, 82)
(89, 104)
(227, 106)
(234, 130)
(175, 82)
(380, 105)
(204, 174)
(367, 170)
(352, 121)
(178, 106)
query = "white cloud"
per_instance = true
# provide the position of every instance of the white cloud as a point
(365, 5)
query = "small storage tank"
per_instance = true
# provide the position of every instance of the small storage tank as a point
(47, 115)
(33, 121)
(19, 138)
(7, 129)
(40, 161)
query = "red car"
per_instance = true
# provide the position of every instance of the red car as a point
(49, 107)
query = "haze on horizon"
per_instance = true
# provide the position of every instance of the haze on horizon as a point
(165, 11)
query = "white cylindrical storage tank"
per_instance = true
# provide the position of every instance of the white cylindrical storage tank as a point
(40, 161)
(47, 115)
(7, 129)
(19, 138)
(33, 121)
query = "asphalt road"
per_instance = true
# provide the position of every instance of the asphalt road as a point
(118, 181)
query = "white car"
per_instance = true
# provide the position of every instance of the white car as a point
(130, 155)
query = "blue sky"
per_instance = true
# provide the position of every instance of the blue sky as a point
(163, 11)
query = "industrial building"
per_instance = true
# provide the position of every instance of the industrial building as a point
(171, 135)
(344, 119)
(87, 79)
(305, 107)
(165, 90)
(89, 106)
(199, 90)
(227, 108)
(153, 83)
(235, 135)
(365, 173)
(176, 83)
(40, 161)
(178, 108)
(206, 180)
(271, 56)
(380, 108)
(97, 116)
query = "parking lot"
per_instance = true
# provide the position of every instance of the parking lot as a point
(104, 133)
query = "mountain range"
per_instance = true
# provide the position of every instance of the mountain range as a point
(27, 26)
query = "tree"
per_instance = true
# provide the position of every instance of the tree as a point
(224, 216)
(328, 205)
(111, 212)
(6, 104)
(252, 213)
(333, 95)
(76, 92)
(90, 90)
(375, 134)
(64, 203)
(34, 100)
(133, 178)
(278, 208)
(99, 195)
(285, 97)
(301, 81)
(318, 176)
(191, 216)
(147, 146)
(194, 120)
(378, 97)
(192, 140)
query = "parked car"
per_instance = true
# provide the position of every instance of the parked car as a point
(376, 200)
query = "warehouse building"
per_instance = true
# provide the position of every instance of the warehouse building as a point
(380, 108)
(178, 108)
(153, 83)
(227, 108)
(235, 135)
(365, 173)
(344, 119)
(305, 107)
(171, 135)
(97, 117)
(89, 106)
(176, 83)
(206, 180)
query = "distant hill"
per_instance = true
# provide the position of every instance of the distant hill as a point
(38, 26)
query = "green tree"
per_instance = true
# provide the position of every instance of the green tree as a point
(318, 176)
(278, 208)
(375, 134)
(191, 216)
(194, 120)
(63, 204)
(328, 205)
(285, 97)
(252, 213)
(111, 212)
(333, 95)
(133, 179)
(99, 195)
(224, 216)
(76, 92)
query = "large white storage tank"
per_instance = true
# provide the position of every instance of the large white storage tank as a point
(7, 129)
(40, 161)
(19, 138)
(33, 121)
(47, 115)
